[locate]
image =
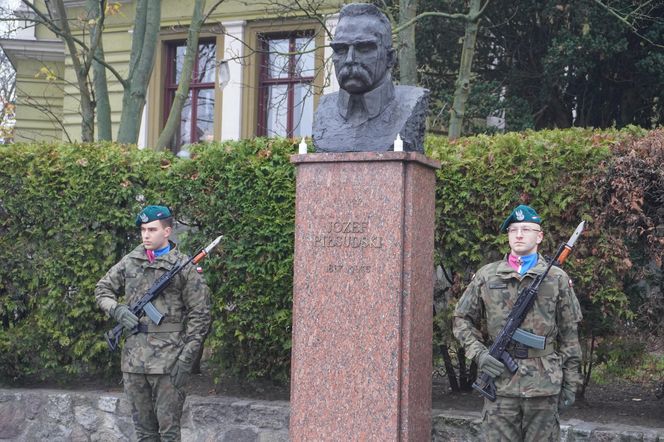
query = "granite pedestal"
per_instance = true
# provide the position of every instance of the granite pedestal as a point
(362, 301)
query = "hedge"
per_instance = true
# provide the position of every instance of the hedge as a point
(63, 222)
(66, 216)
(614, 180)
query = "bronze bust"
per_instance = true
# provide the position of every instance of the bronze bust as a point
(369, 110)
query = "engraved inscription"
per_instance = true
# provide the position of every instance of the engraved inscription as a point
(347, 234)
(347, 241)
(347, 226)
(349, 269)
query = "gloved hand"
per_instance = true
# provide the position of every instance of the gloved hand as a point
(124, 316)
(490, 365)
(567, 397)
(180, 371)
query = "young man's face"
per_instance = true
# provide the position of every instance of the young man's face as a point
(155, 235)
(524, 238)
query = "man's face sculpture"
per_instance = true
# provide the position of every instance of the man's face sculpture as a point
(361, 56)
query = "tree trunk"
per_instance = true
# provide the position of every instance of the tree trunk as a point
(87, 110)
(407, 48)
(587, 367)
(143, 48)
(449, 368)
(81, 71)
(462, 90)
(99, 80)
(182, 92)
(104, 126)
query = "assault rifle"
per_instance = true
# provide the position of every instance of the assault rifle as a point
(144, 305)
(484, 383)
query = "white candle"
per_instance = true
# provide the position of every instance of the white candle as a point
(303, 147)
(398, 144)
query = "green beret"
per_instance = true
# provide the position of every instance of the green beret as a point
(152, 213)
(521, 214)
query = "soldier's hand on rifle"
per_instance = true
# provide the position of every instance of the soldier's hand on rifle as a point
(181, 370)
(124, 316)
(567, 397)
(490, 365)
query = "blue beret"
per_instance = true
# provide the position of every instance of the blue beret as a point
(521, 214)
(152, 213)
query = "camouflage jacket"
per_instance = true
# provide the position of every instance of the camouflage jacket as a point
(483, 310)
(185, 304)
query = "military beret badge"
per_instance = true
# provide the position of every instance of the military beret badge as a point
(152, 213)
(521, 214)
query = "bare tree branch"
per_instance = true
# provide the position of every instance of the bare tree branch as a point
(182, 91)
(212, 9)
(469, 17)
(625, 19)
(47, 21)
(46, 110)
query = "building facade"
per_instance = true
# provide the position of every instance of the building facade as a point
(259, 70)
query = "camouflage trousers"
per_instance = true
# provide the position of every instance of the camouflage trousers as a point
(156, 406)
(513, 419)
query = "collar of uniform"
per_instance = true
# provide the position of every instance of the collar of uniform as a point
(538, 268)
(506, 271)
(139, 253)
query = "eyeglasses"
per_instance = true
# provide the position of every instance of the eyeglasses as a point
(523, 230)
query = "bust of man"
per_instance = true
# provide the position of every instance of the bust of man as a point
(369, 110)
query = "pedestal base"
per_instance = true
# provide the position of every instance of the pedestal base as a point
(363, 289)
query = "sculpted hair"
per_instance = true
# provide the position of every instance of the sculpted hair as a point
(362, 9)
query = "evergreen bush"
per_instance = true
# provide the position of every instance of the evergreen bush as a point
(66, 216)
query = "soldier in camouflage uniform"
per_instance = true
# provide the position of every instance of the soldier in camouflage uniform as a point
(156, 361)
(528, 402)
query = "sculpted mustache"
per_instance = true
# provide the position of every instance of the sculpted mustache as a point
(354, 70)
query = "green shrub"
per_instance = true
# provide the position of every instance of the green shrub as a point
(569, 176)
(63, 222)
(245, 191)
(625, 357)
(66, 216)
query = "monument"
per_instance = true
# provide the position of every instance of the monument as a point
(369, 110)
(363, 267)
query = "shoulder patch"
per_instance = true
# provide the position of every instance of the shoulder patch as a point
(199, 269)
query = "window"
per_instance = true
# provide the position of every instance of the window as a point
(197, 117)
(286, 74)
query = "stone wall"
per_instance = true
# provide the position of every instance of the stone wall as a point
(59, 416)
(465, 427)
